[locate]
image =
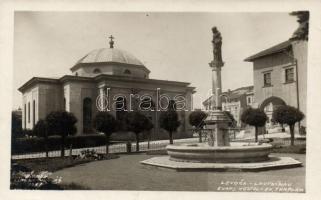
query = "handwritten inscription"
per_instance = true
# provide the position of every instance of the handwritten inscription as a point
(258, 186)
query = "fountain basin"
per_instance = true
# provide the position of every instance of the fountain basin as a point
(235, 153)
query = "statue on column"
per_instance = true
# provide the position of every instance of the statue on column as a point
(217, 47)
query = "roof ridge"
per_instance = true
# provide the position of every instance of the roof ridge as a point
(271, 50)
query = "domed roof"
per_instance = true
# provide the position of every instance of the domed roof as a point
(110, 55)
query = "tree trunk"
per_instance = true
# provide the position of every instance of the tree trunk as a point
(107, 144)
(148, 142)
(70, 151)
(200, 137)
(256, 133)
(170, 137)
(46, 146)
(62, 154)
(137, 142)
(292, 134)
(283, 129)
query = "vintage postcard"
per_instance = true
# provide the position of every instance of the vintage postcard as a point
(216, 102)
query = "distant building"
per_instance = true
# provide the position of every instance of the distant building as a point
(110, 72)
(280, 76)
(234, 101)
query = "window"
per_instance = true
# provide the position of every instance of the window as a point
(289, 75)
(34, 112)
(97, 71)
(87, 115)
(25, 116)
(127, 71)
(28, 112)
(249, 100)
(267, 79)
(76, 74)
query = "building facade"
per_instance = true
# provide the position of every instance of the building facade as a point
(280, 77)
(234, 101)
(107, 79)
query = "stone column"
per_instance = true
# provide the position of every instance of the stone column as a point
(216, 120)
(216, 84)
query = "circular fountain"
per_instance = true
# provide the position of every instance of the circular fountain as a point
(235, 153)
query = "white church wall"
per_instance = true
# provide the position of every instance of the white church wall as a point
(50, 99)
(28, 117)
(75, 93)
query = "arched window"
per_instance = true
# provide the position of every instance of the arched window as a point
(87, 115)
(76, 74)
(127, 71)
(97, 71)
(172, 105)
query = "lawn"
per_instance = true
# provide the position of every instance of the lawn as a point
(126, 173)
(33, 168)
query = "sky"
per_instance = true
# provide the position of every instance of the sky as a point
(173, 46)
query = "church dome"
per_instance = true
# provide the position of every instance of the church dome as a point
(113, 55)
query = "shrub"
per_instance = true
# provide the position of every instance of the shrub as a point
(16, 128)
(288, 115)
(61, 123)
(168, 120)
(106, 123)
(40, 130)
(196, 119)
(254, 117)
(137, 122)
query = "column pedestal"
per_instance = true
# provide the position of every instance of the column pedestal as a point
(218, 122)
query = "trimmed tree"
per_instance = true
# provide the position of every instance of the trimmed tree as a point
(147, 131)
(254, 117)
(168, 120)
(40, 130)
(61, 123)
(106, 123)
(288, 115)
(137, 122)
(196, 119)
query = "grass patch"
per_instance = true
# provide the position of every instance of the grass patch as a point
(73, 186)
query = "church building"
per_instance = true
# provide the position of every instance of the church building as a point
(106, 79)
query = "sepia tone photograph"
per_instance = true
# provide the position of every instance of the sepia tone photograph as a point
(160, 101)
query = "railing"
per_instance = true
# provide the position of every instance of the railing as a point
(115, 148)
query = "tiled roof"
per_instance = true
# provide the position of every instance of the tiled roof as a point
(275, 49)
(234, 94)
